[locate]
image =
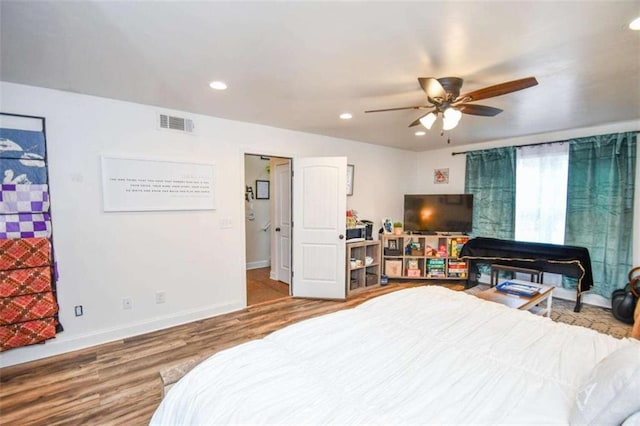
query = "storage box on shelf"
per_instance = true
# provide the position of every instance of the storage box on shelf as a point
(413, 273)
(363, 265)
(393, 268)
(424, 256)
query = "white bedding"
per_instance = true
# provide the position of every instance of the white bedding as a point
(420, 355)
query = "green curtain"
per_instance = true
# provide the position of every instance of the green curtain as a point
(491, 177)
(600, 191)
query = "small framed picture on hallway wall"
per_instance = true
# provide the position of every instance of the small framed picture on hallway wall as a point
(262, 189)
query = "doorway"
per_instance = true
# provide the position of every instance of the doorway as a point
(267, 227)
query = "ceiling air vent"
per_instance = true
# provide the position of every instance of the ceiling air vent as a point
(176, 123)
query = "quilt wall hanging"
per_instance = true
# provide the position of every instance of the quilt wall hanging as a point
(28, 297)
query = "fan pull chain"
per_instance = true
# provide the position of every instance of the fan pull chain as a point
(448, 139)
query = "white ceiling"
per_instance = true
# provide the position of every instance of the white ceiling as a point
(298, 65)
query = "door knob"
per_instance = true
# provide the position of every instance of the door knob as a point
(278, 229)
(341, 236)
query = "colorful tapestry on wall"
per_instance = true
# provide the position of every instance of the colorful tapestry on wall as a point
(28, 301)
(27, 333)
(17, 143)
(24, 198)
(25, 225)
(19, 253)
(27, 307)
(25, 281)
(23, 157)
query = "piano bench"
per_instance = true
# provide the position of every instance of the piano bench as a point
(534, 274)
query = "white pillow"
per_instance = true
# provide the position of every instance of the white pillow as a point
(611, 394)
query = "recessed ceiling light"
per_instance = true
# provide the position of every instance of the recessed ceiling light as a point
(218, 85)
(345, 116)
(420, 133)
(635, 24)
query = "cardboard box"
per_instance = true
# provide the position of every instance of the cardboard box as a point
(393, 268)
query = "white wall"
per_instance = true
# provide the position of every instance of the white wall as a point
(426, 162)
(103, 257)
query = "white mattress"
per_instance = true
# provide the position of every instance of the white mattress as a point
(421, 355)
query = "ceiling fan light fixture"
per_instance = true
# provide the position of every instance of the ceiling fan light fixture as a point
(635, 24)
(452, 114)
(428, 120)
(444, 98)
(420, 133)
(448, 124)
(450, 118)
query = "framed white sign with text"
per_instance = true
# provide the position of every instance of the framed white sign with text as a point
(130, 184)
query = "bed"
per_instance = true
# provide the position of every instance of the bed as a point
(420, 355)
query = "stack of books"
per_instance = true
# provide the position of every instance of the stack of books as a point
(457, 269)
(435, 268)
(456, 245)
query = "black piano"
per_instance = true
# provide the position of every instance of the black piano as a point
(570, 261)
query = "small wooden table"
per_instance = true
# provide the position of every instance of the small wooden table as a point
(523, 303)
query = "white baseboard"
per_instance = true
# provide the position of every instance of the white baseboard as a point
(258, 264)
(588, 299)
(63, 344)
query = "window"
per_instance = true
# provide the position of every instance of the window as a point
(541, 193)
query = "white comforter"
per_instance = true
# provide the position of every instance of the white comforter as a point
(421, 355)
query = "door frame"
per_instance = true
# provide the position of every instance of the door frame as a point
(240, 191)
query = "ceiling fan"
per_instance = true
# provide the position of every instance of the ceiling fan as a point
(444, 98)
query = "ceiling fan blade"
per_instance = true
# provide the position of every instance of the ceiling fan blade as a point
(415, 123)
(401, 108)
(499, 89)
(483, 110)
(432, 88)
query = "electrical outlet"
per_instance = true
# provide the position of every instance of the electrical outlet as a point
(126, 303)
(161, 297)
(79, 310)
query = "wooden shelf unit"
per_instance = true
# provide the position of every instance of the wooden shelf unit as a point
(363, 276)
(415, 256)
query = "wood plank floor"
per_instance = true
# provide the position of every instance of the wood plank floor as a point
(261, 288)
(118, 383)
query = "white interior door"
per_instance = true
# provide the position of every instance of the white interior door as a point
(282, 229)
(319, 206)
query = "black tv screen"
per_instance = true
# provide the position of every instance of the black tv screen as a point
(432, 213)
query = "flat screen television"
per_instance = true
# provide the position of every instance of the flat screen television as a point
(433, 213)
